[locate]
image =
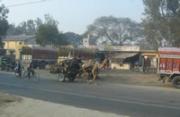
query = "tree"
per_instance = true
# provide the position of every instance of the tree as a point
(28, 27)
(50, 20)
(72, 38)
(62, 40)
(3, 22)
(115, 30)
(162, 22)
(38, 22)
(47, 34)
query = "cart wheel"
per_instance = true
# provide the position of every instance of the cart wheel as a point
(176, 82)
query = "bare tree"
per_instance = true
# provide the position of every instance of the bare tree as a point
(116, 30)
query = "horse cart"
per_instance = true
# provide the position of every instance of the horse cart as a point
(69, 69)
(169, 65)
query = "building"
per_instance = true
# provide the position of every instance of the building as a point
(122, 57)
(142, 60)
(125, 48)
(149, 61)
(132, 57)
(14, 44)
(89, 42)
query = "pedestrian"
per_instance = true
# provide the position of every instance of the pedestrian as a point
(19, 68)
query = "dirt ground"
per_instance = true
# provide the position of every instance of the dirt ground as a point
(120, 77)
(12, 106)
(134, 78)
(6, 99)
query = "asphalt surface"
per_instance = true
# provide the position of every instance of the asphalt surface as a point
(133, 101)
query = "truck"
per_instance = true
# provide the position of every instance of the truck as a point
(169, 65)
(39, 56)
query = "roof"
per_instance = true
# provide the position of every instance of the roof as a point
(170, 49)
(169, 52)
(124, 55)
(149, 51)
(125, 48)
(18, 37)
(28, 39)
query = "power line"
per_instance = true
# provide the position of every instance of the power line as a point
(26, 3)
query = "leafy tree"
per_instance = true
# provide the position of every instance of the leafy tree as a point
(162, 22)
(47, 34)
(73, 38)
(62, 40)
(28, 27)
(50, 20)
(38, 22)
(3, 22)
(115, 30)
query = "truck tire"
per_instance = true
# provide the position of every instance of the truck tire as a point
(176, 82)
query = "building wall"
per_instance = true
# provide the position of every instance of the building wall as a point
(153, 63)
(14, 46)
(86, 42)
(120, 66)
(89, 42)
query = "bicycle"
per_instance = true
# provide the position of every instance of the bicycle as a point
(30, 74)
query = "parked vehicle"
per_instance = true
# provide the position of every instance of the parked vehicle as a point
(40, 57)
(7, 63)
(169, 65)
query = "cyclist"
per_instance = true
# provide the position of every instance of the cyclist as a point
(18, 68)
(30, 70)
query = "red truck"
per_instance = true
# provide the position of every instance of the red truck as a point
(169, 65)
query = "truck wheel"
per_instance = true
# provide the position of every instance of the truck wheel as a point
(176, 82)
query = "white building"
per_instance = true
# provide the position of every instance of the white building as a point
(89, 42)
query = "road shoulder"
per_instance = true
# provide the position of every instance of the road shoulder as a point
(36, 108)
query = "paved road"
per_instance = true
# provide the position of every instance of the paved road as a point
(133, 101)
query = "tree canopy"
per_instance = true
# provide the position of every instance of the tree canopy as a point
(3, 22)
(28, 27)
(115, 30)
(162, 22)
(48, 33)
(73, 38)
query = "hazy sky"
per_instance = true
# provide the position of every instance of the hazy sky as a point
(75, 15)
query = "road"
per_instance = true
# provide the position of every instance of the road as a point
(133, 101)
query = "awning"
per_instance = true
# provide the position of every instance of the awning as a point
(123, 55)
